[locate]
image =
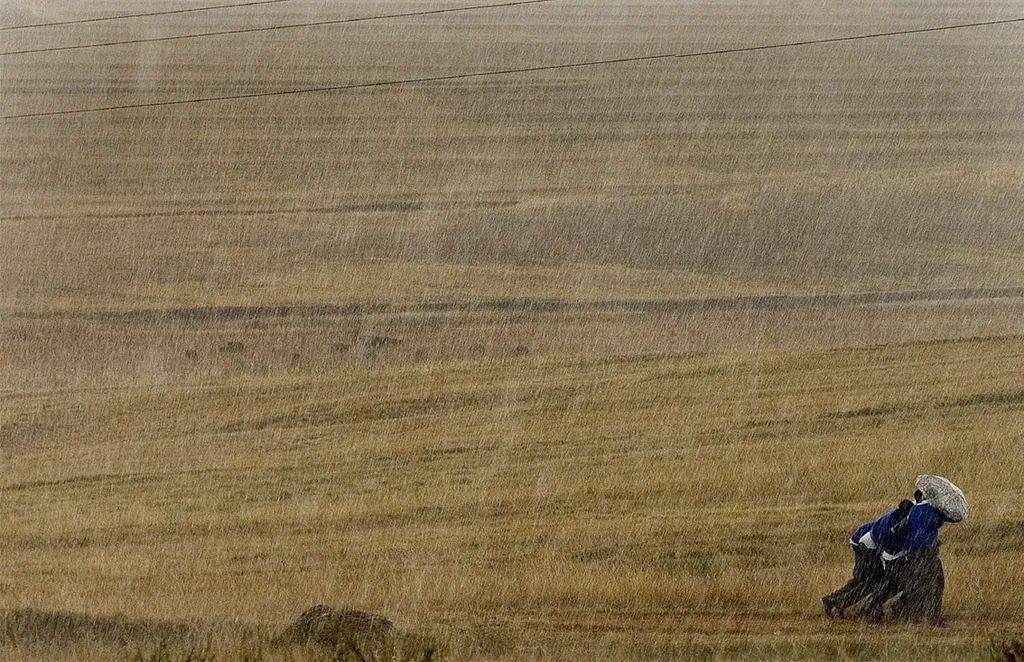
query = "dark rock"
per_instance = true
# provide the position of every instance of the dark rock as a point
(325, 626)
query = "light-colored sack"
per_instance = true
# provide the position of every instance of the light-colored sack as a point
(944, 495)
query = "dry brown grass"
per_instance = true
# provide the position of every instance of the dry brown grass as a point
(874, 165)
(697, 501)
(513, 481)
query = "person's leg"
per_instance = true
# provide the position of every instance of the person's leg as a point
(853, 590)
(922, 597)
(892, 582)
(904, 607)
(830, 601)
(870, 578)
(937, 586)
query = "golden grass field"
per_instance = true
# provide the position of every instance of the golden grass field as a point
(649, 505)
(585, 364)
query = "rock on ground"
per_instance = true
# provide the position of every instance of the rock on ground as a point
(327, 626)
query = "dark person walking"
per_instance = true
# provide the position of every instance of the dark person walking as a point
(867, 542)
(913, 569)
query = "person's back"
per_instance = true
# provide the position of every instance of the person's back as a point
(923, 525)
(917, 533)
(887, 526)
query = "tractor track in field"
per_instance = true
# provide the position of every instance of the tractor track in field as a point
(530, 306)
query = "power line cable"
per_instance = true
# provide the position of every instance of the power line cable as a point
(270, 28)
(503, 72)
(118, 17)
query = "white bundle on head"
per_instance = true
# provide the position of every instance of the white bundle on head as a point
(944, 495)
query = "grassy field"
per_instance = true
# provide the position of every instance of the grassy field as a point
(621, 506)
(887, 164)
(583, 364)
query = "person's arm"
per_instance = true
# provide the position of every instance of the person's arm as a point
(900, 529)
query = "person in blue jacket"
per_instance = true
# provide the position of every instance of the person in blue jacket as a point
(867, 542)
(912, 568)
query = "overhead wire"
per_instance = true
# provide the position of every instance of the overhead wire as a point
(118, 17)
(271, 28)
(510, 71)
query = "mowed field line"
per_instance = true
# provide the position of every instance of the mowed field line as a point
(535, 306)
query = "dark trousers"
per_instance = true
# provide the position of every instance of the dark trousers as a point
(867, 573)
(920, 580)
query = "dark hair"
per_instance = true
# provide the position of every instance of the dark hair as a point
(918, 496)
(905, 507)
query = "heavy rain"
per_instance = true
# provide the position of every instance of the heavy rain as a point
(549, 329)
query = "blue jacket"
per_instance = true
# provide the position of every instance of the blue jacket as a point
(924, 522)
(880, 529)
(859, 532)
(921, 530)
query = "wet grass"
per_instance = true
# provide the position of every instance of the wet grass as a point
(576, 496)
(594, 364)
(33, 633)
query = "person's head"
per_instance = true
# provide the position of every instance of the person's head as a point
(905, 506)
(918, 496)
